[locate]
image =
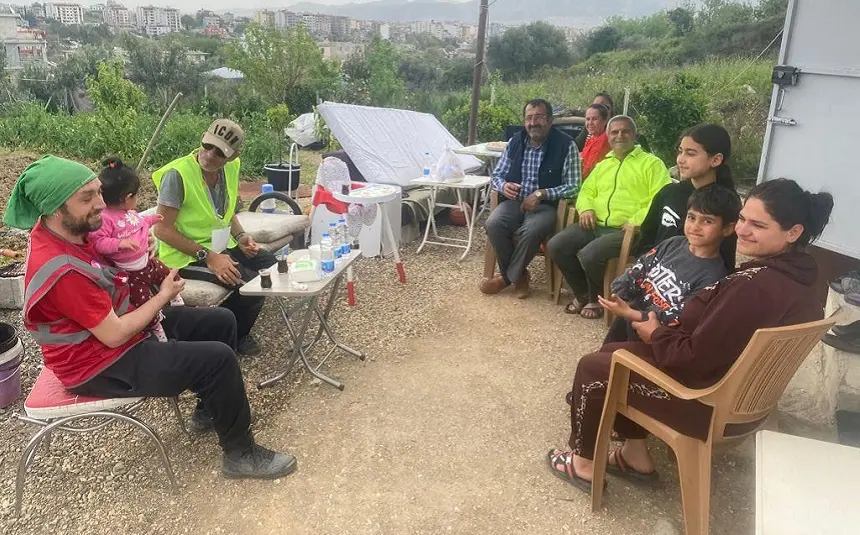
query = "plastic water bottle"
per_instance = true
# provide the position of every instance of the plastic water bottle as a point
(326, 255)
(334, 232)
(268, 206)
(428, 163)
(345, 249)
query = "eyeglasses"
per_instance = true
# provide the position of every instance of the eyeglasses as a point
(537, 117)
(210, 147)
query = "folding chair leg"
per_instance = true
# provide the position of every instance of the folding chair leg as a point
(174, 404)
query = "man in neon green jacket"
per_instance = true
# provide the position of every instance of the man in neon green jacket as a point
(197, 196)
(618, 191)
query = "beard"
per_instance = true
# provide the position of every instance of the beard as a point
(81, 226)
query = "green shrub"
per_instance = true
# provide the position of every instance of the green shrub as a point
(492, 121)
(666, 109)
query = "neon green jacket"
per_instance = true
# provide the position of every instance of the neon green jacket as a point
(196, 218)
(619, 191)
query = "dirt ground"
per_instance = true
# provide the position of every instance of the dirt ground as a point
(443, 429)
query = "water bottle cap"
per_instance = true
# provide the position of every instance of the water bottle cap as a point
(341, 220)
(332, 224)
(325, 235)
(268, 188)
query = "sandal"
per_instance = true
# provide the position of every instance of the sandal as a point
(622, 469)
(561, 464)
(574, 307)
(592, 311)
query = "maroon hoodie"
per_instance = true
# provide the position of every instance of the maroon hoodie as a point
(718, 322)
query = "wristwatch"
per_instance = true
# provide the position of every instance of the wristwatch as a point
(539, 194)
(202, 254)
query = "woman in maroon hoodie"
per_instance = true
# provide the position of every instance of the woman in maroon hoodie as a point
(778, 220)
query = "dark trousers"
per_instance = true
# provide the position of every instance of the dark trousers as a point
(200, 357)
(532, 229)
(589, 393)
(581, 255)
(245, 308)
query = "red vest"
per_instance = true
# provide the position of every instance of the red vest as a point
(72, 352)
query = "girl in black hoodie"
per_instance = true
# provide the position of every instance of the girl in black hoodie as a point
(703, 159)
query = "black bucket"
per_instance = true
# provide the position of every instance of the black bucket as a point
(11, 355)
(283, 177)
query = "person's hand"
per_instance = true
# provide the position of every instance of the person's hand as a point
(587, 220)
(619, 308)
(248, 246)
(224, 268)
(172, 285)
(128, 245)
(530, 203)
(645, 329)
(151, 245)
(511, 190)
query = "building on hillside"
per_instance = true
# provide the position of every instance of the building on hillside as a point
(155, 21)
(317, 24)
(37, 10)
(118, 16)
(341, 51)
(286, 19)
(385, 31)
(66, 14)
(22, 46)
(339, 28)
(265, 18)
(210, 20)
(215, 31)
(196, 56)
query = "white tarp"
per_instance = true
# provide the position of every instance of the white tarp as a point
(301, 130)
(226, 73)
(388, 145)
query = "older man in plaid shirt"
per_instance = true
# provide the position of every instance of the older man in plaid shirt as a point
(540, 166)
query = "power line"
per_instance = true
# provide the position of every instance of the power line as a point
(749, 66)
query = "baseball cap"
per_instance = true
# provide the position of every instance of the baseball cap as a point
(226, 135)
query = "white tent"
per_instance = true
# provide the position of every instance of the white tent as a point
(226, 73)
(388, 145)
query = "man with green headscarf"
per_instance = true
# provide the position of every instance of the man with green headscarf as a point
(77, 309)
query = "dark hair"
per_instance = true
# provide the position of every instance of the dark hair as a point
(536, 102)
(716, 140)
(605, 95)
(717, 201)
(118, 180)
(601, 109)
(790, 205)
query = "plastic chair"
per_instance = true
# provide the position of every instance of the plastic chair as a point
(53, 408)
(551, 271)
(742, 402)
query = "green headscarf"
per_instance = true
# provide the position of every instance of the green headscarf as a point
(42, 188)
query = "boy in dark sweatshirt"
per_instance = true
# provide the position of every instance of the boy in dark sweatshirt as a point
(663, 278)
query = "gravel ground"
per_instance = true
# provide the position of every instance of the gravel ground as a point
(443, 429)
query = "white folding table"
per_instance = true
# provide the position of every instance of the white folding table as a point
(482, 151)
(805, 486)
(470, 182)
(299, 306)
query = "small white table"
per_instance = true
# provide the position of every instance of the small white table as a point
(377, 194)
(805, 486)
(290, 301)
(485, 153)
(470, 182)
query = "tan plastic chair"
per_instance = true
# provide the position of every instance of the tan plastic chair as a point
(742, 402)
(551, 271)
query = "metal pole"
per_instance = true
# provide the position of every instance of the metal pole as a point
(479, 67)
(157, 132)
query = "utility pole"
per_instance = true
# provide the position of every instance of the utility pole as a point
(479, 68)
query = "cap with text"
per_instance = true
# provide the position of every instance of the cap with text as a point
(226, 135)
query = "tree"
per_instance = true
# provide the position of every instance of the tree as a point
(162, 67)
(521, 51)
(682, 21)
(667, 108)
(189, 22)
(603, 39)
(458, 75)
(386, 87)
(285, 67)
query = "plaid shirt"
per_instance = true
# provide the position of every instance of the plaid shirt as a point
(532, 158)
